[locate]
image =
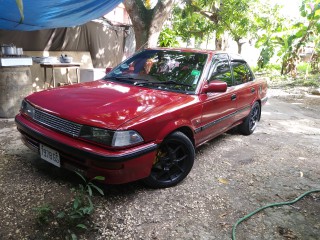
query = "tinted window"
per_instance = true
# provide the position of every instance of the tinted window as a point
(241, 73)
(162, 69)
(221, 69)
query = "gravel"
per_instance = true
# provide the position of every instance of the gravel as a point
(232, 176)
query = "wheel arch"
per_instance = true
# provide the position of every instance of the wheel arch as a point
(188, 132)
(258, 100)
(180, 126)
(260, 104)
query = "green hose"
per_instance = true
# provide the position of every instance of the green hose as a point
(267, 206)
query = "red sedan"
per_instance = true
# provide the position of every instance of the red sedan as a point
(145, 118)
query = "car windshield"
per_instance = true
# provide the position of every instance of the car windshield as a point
(162, 69)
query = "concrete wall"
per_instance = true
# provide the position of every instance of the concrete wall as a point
(15, 84)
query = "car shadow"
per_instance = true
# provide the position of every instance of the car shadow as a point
(217, 139)
(69, 177)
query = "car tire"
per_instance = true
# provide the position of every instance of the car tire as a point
(173, 161)
(250, 122)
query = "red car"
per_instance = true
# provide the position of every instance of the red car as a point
(145, 118)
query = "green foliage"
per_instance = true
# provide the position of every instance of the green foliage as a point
(265, 55)
(303, 67)
(237, 18)
(44, 214)
(199, 18)
(289, 40)
(74, 216)
(188, 24)
(307, 82)
(270, 29)
(168, 38)
(303, 78)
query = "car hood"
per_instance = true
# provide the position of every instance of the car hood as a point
(101, 103)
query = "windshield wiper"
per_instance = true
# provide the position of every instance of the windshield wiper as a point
(170, 82)
(125, 79)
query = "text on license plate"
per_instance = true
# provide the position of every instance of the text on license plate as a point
(50, 155)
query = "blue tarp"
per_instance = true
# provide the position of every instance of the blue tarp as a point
(45, 14)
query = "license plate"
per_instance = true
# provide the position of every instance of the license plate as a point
(50, 155)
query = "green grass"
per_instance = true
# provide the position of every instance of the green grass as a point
(304, 67)
(303, 78)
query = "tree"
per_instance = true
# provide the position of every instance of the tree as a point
(289, 40)
(238, 20)
(187, 25)
(311, 27)
(269, 27)
(147, 21)
(232, 16)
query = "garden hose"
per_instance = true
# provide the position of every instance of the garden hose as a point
(267, 206)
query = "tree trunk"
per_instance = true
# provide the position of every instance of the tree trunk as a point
(239, 45)
(221, 42)
(147, 23)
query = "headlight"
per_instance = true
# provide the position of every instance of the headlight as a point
(27, 108)
(125, 138)
(110, 138)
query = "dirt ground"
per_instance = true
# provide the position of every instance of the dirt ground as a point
(232, 176)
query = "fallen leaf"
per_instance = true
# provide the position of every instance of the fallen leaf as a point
(223, 180)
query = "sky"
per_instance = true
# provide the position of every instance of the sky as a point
(290, 7)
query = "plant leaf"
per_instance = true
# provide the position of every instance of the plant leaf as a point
(82, 226)
(76, 203)
(89, 190)
(73, 236)
(223, 180)
(61, 215)
(80, 175)
(100, 178)
(76, 215)
(20, 6)
(98, 189)
(90, 205)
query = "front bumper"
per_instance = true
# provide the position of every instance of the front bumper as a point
(116, 166)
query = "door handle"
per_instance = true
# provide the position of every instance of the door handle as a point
(233, 97)
(253, 90)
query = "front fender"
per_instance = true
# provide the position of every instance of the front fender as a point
(172, 126)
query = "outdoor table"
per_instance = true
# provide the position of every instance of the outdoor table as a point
(66, 66)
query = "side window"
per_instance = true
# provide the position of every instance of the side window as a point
(241, 73)
(221, 69)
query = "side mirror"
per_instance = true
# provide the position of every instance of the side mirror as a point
(108, 69)
(215, 86)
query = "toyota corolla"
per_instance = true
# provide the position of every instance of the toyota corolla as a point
(145, 118)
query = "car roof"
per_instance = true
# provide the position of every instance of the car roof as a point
(196, 50)
(236, 57)
(233, 56)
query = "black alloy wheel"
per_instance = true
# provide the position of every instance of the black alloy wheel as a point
(250, 122)
(173, 162)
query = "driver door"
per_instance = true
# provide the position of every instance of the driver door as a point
(218, 108)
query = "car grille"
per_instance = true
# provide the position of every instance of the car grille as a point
(57, 123)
